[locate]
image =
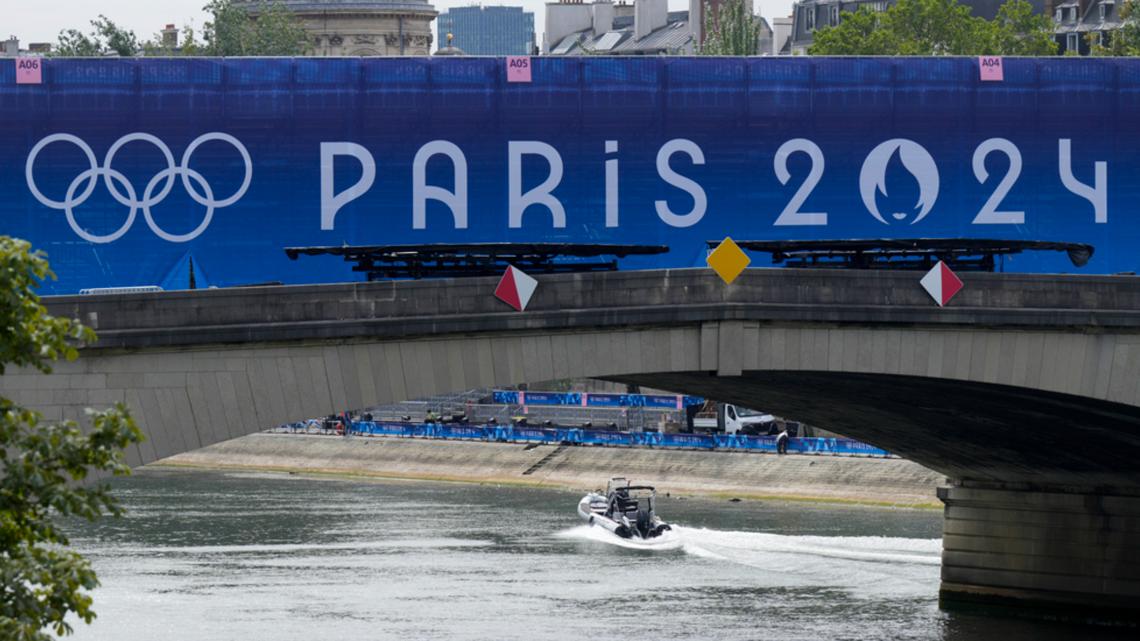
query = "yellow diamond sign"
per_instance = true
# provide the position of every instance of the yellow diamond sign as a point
(728, 260)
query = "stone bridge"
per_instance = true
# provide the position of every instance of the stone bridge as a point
(1024, 391)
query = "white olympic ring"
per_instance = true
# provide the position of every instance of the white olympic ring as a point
(89, 178)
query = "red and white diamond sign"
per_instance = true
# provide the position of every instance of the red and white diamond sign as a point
(515, 288)
(941, 283)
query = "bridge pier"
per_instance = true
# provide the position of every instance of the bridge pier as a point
(1064, 555)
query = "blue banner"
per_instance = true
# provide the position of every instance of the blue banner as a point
(655, 401)
(135, 172)
(517, 434)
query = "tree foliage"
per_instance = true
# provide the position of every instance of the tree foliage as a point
(271, 30)
(46, 466)
(107, 39)
(265, 28)
(938, 27)
(731, 30)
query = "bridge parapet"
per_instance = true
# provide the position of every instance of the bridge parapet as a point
(562, 301)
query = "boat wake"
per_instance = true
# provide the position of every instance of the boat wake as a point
(759, 548)
(741, 546)
(669, 540)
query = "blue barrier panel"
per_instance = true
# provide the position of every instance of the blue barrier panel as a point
(533, 434)
(553, 398)
(502, 433)
(702, 441)
(125, 169)
(599, 437)
(462, 431)
(501, 397)
(568, 435)
(833, 446)
(660, 401)
(605, 400)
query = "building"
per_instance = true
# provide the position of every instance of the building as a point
(644, 27)
(809, 15)
(10, 48)
(781, 36)
(362, 27)
(765, 38)
(1081, 24)
(488, 31)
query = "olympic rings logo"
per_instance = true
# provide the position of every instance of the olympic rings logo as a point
(121, 189)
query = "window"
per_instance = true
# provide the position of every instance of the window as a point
(1074, 43)
(1058, 17)
(835, 14)
(1101, 11)
(810, 18)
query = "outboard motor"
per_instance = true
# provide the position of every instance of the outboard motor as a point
(644, 523)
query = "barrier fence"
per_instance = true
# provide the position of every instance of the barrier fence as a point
(595, 399)
(577, 436)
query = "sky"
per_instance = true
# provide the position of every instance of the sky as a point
(42, 20)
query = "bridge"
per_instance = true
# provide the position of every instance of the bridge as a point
(1025, 391)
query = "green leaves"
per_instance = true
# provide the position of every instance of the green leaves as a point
(938, 28)
(46, 468)
(107, 39)
(730, 30)
(267, 29)
(275, 31)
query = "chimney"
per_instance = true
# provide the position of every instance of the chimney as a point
(170, 37)
(697, 21)
(603, 17)
(564, 18)
(648, 16)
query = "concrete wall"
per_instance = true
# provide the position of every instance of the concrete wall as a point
(882, 481)
(1063, 555)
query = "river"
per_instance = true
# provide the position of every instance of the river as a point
(213, 556)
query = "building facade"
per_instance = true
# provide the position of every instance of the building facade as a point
(1082, 24)
(487, 31)
(10, 48)
(361, 27)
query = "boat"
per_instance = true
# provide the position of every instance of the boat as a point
(625, 509)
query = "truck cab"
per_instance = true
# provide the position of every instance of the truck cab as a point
(726, 418)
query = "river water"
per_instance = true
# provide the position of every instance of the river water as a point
(212, 556)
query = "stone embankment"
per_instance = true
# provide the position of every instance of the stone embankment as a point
(731, 474)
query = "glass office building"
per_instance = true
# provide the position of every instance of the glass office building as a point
(487, 31)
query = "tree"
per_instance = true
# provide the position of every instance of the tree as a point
(107, 39)
(1020, 32)
(859, 33)
(935, 28)
(269, 29)
(46, 466)
(731, 30)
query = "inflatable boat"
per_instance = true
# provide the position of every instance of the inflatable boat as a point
(626, 510)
